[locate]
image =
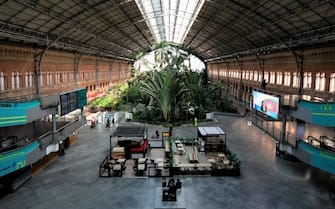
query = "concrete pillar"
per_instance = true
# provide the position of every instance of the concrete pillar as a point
(327, 81)
(313, 80)
(54, 128)
(283, 129)
(240, 90)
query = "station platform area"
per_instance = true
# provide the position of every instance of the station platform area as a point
(266, 181)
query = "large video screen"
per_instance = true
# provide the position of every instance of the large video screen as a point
(266, 104)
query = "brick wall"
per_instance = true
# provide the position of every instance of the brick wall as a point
(58, 72)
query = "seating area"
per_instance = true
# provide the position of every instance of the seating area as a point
(194, 156)
(323, 142)
(112, 167)
(141, 147)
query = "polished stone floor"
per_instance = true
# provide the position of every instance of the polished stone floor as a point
(72, 180)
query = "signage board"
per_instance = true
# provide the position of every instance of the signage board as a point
(73, 100)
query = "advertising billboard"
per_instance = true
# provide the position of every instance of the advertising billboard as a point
(265, 103)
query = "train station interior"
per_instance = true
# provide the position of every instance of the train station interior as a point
(273, 61)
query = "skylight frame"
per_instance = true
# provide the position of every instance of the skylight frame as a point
(170, 20)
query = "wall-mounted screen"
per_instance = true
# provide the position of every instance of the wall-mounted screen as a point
(71, 101)
(266, 104)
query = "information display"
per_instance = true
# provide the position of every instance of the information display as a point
(265, 103)
(73, 100)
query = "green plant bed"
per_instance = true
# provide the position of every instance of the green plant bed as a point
(232, 169)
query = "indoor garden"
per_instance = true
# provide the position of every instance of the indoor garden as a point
(165, 88)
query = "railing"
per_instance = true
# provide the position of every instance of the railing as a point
(69, 128)
(103, 168)
(268, 127)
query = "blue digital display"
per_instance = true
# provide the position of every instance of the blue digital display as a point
(266, 104)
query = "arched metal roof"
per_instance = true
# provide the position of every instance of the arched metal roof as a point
(120, 29)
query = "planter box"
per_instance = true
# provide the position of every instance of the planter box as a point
(226, 172)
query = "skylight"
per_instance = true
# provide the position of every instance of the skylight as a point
(170, 20)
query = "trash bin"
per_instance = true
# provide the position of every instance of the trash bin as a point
(61, 148)
(277, 148)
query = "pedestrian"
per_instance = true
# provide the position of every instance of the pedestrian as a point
(108, 124)
(113, 121)
(178, 184)
(170, 131)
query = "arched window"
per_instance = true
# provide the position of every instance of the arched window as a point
(307, 80)
(29, 79)
(287, 78)
(15, 80)
(279, 80)
(272, 77)
(332, 83)
(3, 81)
(320, 80)
(266, 76)
(295, 80)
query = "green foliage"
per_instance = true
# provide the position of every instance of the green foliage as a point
(106, 102)
(163, 88)
(233, 159)
(168, 92)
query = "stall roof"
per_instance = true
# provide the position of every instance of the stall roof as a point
(211, 131)
(129, 131)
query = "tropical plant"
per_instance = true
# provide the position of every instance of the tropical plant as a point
(170, 57)
(163, 88)
(199, 94)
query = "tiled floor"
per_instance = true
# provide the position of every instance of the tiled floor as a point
(72, 181)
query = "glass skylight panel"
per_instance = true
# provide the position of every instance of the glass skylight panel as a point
(170, 20)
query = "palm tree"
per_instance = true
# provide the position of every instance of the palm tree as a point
(198, 93)
(163, 88)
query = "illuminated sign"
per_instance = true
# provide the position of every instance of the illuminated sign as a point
(319, 158)
(16, 159)
(320, 113)
(265, 103)
(15, 113)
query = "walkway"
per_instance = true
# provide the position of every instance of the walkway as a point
(72, 181)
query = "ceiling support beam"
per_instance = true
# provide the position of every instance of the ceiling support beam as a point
(240, 67)
(93, 11)
(307, 38)
(69, 22)
(299, 59)
(37, 37)
(260, 59)
(38, 59)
